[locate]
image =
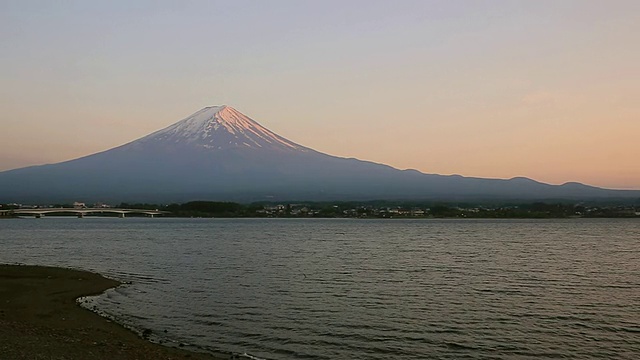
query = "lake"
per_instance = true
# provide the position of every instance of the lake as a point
(359, 289)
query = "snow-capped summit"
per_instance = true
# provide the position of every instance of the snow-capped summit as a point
(221, 127)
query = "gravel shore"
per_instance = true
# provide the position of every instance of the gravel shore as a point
(39, 319)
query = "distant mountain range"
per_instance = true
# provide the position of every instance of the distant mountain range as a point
(220, 154)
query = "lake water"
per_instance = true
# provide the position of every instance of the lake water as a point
(359, 289)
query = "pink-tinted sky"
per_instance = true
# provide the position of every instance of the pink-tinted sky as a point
(543, 89)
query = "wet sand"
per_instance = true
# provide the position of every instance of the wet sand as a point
(39, 319)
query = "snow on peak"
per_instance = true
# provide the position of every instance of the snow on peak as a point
(220, 127)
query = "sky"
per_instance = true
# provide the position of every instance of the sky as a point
(544, 89)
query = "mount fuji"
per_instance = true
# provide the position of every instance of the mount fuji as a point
(220, 154)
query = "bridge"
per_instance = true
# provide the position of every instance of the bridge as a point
(81, 212)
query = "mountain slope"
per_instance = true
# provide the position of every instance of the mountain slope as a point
(219, 153)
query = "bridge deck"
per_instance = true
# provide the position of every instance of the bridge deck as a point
(84, 211)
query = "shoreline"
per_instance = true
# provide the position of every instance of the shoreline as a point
(41, 319)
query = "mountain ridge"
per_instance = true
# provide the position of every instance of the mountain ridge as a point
(219, 153)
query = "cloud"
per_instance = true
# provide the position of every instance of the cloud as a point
(539, 99)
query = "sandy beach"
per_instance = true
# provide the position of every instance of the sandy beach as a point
(39, 319)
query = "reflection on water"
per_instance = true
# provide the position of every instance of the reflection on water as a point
(370, 289)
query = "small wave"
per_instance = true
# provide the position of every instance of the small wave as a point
(458, 346)
(252, 357)
(249, 356)
(128, 277)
